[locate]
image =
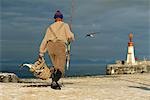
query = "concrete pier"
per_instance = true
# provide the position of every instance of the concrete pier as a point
(124, 68)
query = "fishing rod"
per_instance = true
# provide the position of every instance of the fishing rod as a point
(69, 43)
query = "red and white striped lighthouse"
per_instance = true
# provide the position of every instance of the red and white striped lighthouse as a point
(130, 53)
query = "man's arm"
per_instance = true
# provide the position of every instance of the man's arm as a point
(43, 46)
(69, 34)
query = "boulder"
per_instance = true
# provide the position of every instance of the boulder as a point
(9, 77)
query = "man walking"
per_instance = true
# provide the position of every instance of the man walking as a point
(56, 37)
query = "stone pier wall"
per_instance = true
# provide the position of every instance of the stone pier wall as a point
(126, 69)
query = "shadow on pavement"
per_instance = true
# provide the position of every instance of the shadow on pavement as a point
(140, 87)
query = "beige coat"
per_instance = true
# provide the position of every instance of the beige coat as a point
(62, 33)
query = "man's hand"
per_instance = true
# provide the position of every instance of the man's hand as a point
(40, 55)
(70, 39)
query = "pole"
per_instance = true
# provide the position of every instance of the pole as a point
(69, 44)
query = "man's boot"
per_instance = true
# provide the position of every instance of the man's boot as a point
(55, 78)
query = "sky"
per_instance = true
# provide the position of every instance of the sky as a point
(24, 22)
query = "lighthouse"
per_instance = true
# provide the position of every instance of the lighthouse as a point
(130, 53)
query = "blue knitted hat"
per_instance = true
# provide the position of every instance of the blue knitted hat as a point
(58, 14)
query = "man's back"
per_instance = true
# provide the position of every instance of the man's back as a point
(59, 29)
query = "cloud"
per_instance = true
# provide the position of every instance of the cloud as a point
(25, 20)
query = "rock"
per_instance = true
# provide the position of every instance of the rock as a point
(8, 77)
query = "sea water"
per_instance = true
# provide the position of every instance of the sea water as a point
(76, 68)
